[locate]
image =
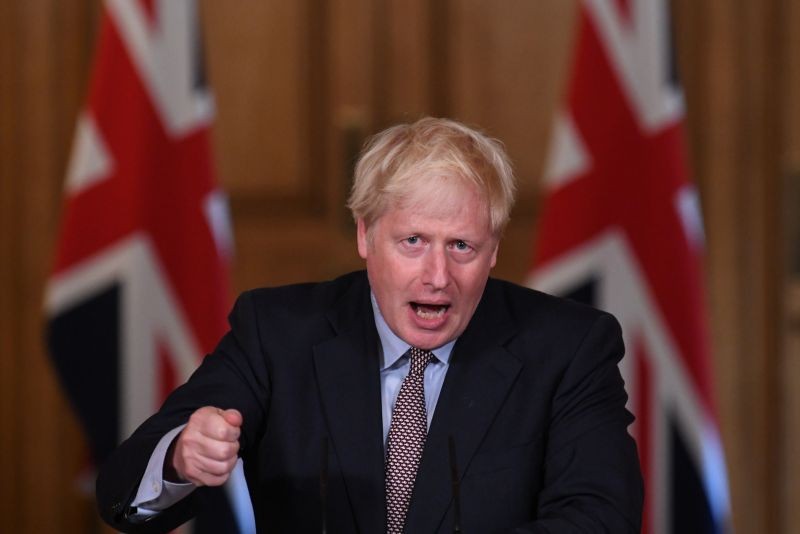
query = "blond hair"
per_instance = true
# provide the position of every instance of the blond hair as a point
(398, 161)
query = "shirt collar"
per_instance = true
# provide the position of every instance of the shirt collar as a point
(393, 348)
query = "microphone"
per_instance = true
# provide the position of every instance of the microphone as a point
(323, 485)
(456, 485)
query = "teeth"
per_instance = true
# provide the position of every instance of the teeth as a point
(430, 313)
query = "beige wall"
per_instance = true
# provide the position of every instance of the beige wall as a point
(300, 84)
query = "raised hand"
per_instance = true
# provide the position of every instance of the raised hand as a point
(205, 452)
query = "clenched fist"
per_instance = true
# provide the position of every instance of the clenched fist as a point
(205, 451)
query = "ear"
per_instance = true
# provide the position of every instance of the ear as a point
(494, 254)
(361, 235)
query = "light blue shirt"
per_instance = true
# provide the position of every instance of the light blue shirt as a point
(395, 365)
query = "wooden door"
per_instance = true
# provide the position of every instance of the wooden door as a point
(301, 84)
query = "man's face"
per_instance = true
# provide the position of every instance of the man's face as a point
(428, 264)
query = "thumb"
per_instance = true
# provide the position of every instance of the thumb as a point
(232, 417)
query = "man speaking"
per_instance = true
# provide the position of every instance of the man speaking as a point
(374, 384)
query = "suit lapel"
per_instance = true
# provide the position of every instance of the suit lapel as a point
(347, 370)
(480, 375)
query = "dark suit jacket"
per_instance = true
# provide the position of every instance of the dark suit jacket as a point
(533, 399)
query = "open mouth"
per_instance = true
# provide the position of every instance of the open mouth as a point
(429, 311)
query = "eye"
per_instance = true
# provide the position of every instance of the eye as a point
(461, 246)
(412, 240)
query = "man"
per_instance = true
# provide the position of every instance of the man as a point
(381, 371)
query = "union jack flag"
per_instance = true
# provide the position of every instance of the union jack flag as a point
(621, 229)
(139, 290)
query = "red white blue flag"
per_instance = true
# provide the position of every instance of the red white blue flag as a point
(139, 291)
(621, 229)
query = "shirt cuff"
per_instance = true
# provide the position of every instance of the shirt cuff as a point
(156, 494)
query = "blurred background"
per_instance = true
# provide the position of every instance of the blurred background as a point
(300, 84)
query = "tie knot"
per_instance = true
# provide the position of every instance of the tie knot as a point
(419, 360)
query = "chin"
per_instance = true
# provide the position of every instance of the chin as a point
(428, 342)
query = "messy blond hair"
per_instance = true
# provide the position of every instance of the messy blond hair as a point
(398, 161)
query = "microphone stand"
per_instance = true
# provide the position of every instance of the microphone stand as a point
(456, 485)
(323, 485)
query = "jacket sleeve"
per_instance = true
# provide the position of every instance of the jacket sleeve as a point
(235, 375)
(592, 479)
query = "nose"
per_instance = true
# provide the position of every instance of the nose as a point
(435, 269)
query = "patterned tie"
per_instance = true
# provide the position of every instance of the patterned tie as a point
(407, 433)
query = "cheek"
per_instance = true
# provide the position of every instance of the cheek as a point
(386, 278)
(473, 283)
(397, 269)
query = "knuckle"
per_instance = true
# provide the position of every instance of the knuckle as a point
(218, 469)
(225, 451)
(197, 416)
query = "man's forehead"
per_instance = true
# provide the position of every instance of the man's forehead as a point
(437, 198)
